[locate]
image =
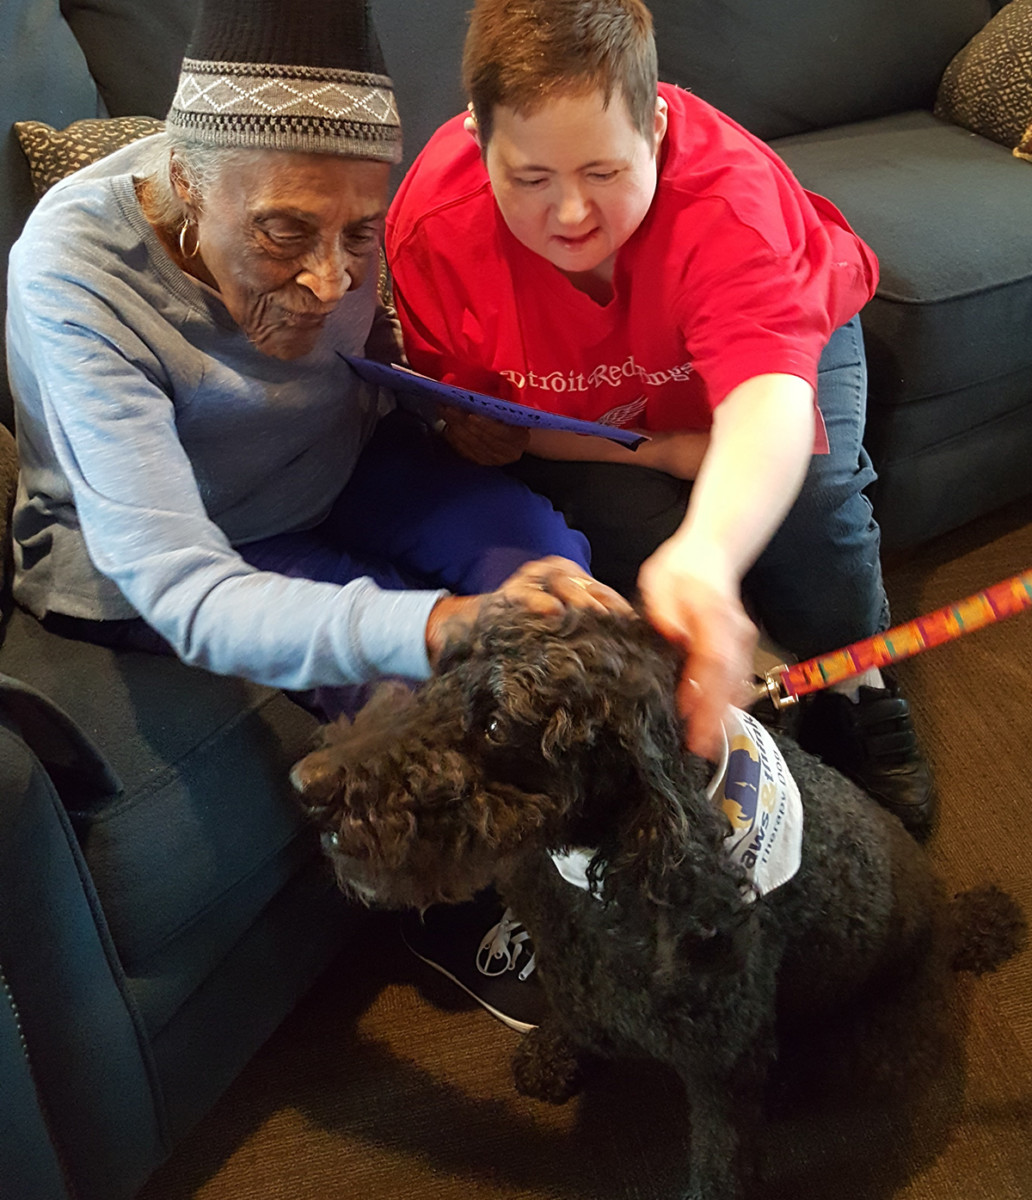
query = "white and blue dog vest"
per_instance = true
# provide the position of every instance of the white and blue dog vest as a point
(759, 797)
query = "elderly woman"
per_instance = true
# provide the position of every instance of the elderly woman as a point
(201, 470)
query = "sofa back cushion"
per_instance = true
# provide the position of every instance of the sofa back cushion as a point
(782, 67)
(778, 66)
(134, 48)
(422, 45)
(45, 78)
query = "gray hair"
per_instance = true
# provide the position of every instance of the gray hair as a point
(200, 165)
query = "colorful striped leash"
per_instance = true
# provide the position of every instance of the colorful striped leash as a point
(783, 685)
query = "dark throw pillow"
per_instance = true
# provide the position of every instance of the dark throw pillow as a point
(987, 88)
(55, 153)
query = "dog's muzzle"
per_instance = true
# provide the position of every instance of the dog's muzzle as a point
(348, 870)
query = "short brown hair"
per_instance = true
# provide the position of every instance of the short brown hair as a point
(520, 53)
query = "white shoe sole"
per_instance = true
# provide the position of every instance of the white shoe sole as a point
(512, 1022)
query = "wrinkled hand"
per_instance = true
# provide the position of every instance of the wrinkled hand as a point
(481, 439)
(545, 586)
(695, 601)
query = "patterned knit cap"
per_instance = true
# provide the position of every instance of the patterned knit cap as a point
(301, 75)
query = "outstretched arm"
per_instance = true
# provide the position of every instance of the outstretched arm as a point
(759, 449)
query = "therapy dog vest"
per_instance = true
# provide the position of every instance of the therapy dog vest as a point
(760, 799)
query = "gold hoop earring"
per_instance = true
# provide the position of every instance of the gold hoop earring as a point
(182, 240)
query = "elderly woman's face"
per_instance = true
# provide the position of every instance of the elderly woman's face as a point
(284, 236)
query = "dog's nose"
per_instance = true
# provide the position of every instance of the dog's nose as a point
(317, 776)
(305, 774)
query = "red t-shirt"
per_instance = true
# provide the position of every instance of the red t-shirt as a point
(736, 271)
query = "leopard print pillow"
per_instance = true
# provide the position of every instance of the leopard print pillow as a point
(987, 88)
(55, 153)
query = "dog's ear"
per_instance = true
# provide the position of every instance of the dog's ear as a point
(670, 840)
(575, 721)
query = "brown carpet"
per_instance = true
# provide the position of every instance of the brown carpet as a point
(386, 1084)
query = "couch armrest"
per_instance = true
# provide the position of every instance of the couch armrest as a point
(28, 1157)
(8, 490)
(80, 1077)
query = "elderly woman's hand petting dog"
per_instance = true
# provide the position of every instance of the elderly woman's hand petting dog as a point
(546, 586)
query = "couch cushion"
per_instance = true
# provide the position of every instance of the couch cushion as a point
(8, 492)
(786, 66)
(204, 831)
(150, 37)
(949, 214)
(32, 33)
(54, 153)
(987, 88)
(424, 58)
(91, 1071)
(950, 218)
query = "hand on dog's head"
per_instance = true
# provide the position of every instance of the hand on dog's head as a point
(538, 732)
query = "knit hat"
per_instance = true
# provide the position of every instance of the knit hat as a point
(301, 75)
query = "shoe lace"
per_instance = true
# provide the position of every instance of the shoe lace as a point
(503, 946)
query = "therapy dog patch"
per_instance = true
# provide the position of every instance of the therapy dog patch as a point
(760, 799)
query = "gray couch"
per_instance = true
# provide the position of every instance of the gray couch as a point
(162, 907)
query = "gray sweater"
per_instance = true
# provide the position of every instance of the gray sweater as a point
(154, 437)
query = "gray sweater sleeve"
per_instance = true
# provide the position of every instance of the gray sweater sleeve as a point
(98, 408)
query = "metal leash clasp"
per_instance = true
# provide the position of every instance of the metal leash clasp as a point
(771, 687)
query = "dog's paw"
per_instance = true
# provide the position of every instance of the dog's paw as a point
(545, 1067)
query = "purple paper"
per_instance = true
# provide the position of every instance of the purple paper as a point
(422, 395)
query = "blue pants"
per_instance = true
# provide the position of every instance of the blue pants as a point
(818, 584)
(413, 515)
(416, 515)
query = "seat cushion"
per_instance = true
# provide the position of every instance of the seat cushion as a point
(204, 832)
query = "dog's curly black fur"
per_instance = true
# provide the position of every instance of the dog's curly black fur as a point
(541, 734)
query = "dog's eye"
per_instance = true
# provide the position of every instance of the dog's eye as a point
(494, 733)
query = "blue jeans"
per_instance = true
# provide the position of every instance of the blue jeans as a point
(818, 584)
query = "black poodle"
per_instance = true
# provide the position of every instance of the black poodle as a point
(540, 735)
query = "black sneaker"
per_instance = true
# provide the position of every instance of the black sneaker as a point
(485, 949)
(872, 741)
